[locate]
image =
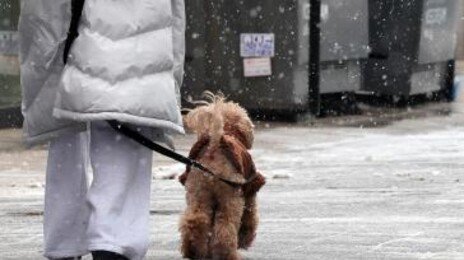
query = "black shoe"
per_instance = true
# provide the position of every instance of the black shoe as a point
(106, 255)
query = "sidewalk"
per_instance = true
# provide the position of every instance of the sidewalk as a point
(338, 188)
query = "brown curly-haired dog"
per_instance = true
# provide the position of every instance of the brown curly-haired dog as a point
(220, 218)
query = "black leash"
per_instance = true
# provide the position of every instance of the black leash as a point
(139, 138)
(76, 9)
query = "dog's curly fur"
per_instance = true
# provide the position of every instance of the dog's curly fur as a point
(220, 218)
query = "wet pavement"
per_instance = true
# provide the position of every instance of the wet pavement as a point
(338, 188)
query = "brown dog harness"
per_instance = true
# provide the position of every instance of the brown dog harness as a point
(238, 155)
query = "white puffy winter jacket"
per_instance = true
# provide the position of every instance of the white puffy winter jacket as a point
(126, 64)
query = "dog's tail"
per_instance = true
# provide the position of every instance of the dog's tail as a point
(208, 120)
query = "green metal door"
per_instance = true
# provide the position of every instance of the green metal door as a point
(218, 32)
(10, 92)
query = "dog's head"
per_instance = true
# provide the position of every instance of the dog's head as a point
(219, 113)
(237, 123)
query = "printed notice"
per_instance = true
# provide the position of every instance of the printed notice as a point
(257, 67)
(257, 44)
(436, 16)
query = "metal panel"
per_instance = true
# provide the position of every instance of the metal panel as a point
(438, 31)
(214, 54)
(411, 40)
(344, 29)
(394, 39)
(429, 80)
(337, 79)
(286, 88)
(344, 37)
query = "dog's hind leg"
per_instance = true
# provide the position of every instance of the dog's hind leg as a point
(225, 229)
(195, 228)
(247, 232)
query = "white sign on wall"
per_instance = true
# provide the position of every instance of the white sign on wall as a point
(257, 67)
(257, 45)
(436, 16)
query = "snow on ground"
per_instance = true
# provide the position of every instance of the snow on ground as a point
(394, 192)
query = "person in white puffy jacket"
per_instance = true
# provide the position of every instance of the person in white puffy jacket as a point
(126, 65)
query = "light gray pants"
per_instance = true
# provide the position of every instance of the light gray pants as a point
(113, 213)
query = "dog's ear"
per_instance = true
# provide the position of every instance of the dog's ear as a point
(253, 187)
(194, 120)
(205, 121)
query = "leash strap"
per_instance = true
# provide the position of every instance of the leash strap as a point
(139, 138)
(73, 33)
